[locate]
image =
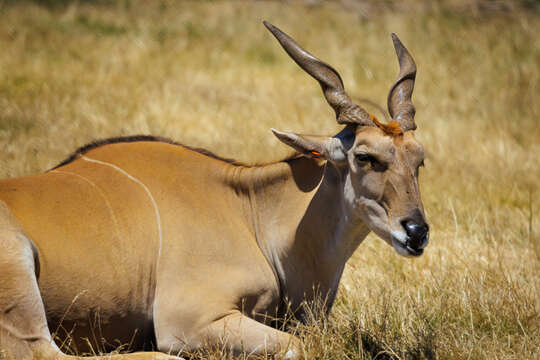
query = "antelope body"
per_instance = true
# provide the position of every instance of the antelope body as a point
(164, 247)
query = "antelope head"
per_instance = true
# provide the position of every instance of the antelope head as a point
(379, 162)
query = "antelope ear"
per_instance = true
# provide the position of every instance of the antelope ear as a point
(312, 146)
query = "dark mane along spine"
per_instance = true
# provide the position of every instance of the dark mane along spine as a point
(136, 138)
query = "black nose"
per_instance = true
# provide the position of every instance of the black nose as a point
(417, 232)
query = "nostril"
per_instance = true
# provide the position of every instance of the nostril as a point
(404, 224)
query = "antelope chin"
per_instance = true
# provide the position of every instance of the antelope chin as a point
(400, 243)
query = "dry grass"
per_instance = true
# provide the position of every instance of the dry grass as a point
(208, 74)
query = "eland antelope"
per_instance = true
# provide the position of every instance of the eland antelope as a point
(170, 248)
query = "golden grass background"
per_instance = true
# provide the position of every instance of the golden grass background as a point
(207, 73)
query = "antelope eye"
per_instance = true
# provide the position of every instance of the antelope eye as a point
(421, 164)
(363, 158)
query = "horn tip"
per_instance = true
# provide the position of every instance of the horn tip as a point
(397, 43)
(274, 30)
(268, 25)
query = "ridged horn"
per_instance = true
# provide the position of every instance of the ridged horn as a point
(400, 105)
(332, 86)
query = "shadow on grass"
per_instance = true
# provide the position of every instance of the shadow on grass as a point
(375, 348)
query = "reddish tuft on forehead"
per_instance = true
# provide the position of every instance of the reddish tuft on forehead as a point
(393, 128)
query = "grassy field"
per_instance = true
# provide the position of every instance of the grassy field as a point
(209, 74)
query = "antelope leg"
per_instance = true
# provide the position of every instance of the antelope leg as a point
(244, 335)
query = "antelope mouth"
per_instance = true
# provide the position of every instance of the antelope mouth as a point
(405, 249)
(413, 251)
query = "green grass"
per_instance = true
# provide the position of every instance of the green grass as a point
(209, 74)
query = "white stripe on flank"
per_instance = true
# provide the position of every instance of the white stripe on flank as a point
(100, 191)
(158, 217)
